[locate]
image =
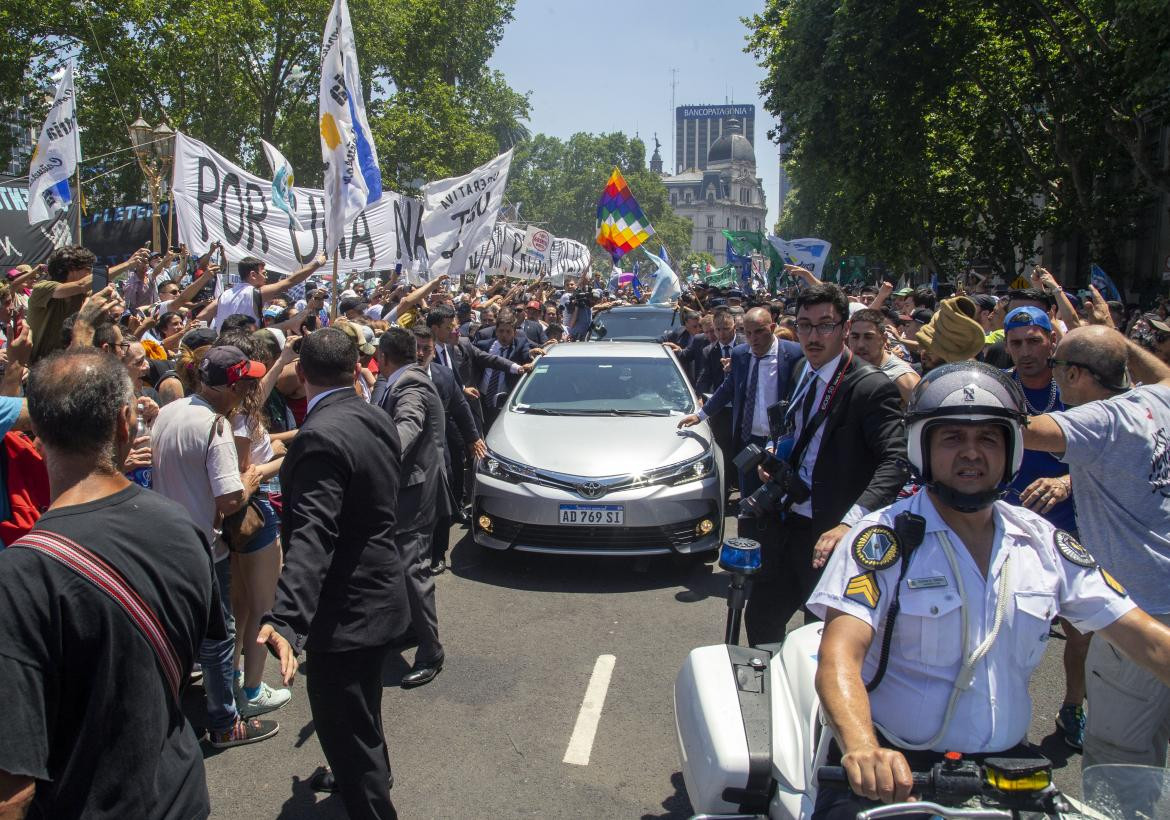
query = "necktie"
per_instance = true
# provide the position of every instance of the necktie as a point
(749, 401)
(497, 375)
(805, 391)
(726, 352)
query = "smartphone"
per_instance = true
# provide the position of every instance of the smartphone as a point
(175, 249)
(101, 277)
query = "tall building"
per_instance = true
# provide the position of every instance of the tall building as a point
(726, 195)
(698, 127)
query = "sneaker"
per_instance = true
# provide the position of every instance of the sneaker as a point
(266, 700)
(244, 732)
(1071, 723)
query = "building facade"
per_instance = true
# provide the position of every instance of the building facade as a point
(698, 127)
(725, 195)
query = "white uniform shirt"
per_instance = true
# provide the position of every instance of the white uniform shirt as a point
(926, 648)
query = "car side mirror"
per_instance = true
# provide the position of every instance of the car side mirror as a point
(599, 331)
(498, 400)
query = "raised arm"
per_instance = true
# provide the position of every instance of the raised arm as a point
(269, 292)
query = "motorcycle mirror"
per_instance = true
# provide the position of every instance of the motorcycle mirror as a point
(740, 555)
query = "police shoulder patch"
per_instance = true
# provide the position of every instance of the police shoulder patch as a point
(864, 590)
(876, 548)
(1072, 550)
(1113, 583)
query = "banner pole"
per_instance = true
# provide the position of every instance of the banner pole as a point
(333, 288)
(79, 199)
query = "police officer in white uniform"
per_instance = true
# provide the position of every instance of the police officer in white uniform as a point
(975, 598)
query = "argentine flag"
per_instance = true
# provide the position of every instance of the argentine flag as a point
(56, 156)
(352, 178)
(283, 180)
(666, 287)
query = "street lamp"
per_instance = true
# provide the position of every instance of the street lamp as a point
(154, 148)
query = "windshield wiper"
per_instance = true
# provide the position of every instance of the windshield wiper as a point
(537, 411)
(629, 412)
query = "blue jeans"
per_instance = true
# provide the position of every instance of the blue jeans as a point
(216, 659)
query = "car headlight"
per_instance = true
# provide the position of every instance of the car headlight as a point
(694, 470)
(503, 469)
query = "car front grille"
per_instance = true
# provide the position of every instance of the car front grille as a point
(610, 539)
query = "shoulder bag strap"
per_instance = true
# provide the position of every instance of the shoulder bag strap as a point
(107, 579)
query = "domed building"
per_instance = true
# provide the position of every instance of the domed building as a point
(726, 195)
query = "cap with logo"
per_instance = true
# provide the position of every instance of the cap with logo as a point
(226, 365)
(1027, 317)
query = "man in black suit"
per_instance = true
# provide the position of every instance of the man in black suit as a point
(464, 358)
(711, 375)
(688, 342)
(406, 392)
(532, 327)
(464, 442)
(847, 444)
(510, 345)
(342, 593)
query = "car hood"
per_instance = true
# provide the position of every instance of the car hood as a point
(596, 446)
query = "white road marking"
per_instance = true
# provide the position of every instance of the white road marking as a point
(581, 742)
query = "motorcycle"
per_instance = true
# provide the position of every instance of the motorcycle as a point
(753, 741)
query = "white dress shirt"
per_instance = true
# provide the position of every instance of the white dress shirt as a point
(313, 401)
(824, 375)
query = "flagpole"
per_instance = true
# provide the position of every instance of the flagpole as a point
(79, 195)
(333, 288)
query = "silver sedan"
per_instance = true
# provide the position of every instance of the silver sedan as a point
(586, 458)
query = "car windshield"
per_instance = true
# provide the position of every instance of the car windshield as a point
(635, 325)
(586, 386)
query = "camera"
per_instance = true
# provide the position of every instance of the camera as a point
(780, 492)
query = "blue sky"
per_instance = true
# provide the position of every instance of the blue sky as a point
(578, 60)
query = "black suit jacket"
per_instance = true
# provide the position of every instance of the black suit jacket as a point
(521, 354)
(414, 404)
(461, 427)
(862, 459)
(711, 365)
(467, 361)
(534, 330)
(691, 356)
(343, 585)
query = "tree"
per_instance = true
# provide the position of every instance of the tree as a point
(940, 132)
(230, 72)
(557, 184)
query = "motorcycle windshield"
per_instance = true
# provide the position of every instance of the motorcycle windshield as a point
(1127, 792)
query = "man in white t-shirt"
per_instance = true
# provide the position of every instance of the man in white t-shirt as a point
(194, 464)
(253, 291)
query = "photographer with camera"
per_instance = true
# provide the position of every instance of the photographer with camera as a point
(841, 454)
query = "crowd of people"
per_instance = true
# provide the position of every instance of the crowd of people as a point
(301, 464)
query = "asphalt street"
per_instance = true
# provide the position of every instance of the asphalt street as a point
(488, 738)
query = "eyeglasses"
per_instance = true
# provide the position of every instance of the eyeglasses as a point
(823, 329)
(122, 345)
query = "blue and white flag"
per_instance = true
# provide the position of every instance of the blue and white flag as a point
(665, 287)
(934, 282)
(55, 158)
(1098, 277)
(809, 254)
(352, 177)
(283, 179)
(663, 255)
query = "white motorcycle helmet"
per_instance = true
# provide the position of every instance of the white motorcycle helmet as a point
(971, 392)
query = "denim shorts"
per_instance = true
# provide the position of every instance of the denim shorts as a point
(269, 532)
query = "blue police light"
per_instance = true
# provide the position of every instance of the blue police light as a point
(741, 555)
